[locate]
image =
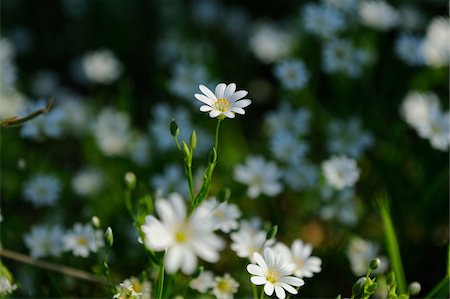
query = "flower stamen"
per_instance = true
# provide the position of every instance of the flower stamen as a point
(222, 104)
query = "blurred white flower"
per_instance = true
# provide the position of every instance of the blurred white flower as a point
(6, 286)
(286, 147)
(288, 119)
(300, 175)
(322, 20)
(88, 181)
(45, 83)
(224, 102)
(409, 49)
(411, 18)
(436, 49)
(360, 252)
(225, 215)
(347, 137)
(300, 255)
(186, 78)
(418, 107)
(44, 241)
(274, 272)
(207, 12)
(76, 113)
(183, 237)
(340, 172)
(340, 56)
(12, 102)
(347, 6)
(140, 150)
(249, 239)
(45, 125)
(270, 43)
(225, 287)
(292, 73)
(101, 66)
(261, 176)
(133, 288)
(8, 70)
(378, 14)
(203, 282)
(438, 130)
(83, 239)
(42, 190)
(112, 131)
(171, 180)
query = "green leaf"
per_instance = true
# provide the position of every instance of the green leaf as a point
(440, 290)
(392, 243)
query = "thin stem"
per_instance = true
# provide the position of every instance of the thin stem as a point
(262, 294)
(159, 293)
(255, 291)
(51, 266)
(191, 183)
(216, 144)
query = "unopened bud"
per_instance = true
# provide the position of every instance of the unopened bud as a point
(95, 221)
(109, 236)
(186, 149)
(375, 263)
(193, 141)
(272, 232)
(390, 279)
(358, 286)
(130, 180)
(174, 130)
(414, 288)
(372, 288)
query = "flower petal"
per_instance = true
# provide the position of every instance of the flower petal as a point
(258, 280)
(208, 92)
(292, 281)
(287, 287)
(237, 110)
(189, 263)
(204, 99)
(220, 90)
(255, 270)
(174, 258)
(268, 289)
(228, 114)
(260, 261)
(231, 88)
(206, 108)
(280, 292)
(242, 103)
(214, 113)
(238, 95)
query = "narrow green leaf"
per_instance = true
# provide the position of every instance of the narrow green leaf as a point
(440, 290)
(392, 243)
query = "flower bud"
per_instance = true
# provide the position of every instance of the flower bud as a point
(375, 263)
(130, 180)
(95, 221)
(358, 286)
(272, 232)
(193, 141)
(414, 288)
(109, 236)
(390, 279)
(186, 151)
(371, 288)
(174, 130)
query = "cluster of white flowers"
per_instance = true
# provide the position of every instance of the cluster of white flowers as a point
(360, 252)
(423, 112)
(101, 66)
(223, 287)
(46, 241)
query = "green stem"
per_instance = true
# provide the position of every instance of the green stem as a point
(216, 144)
(262, 294)
(128, 203)
(255, 291)
(191, 183)
(160, 287)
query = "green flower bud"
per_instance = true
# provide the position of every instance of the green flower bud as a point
(272, 232)
(375, 263)
(95, 221)
(414, 288)
(193, 141)
(130, 180)
(358, 286)
(224, 195)
(371, 288)
(174, 130)
(186, 150)
(390, 279)
(109, 236)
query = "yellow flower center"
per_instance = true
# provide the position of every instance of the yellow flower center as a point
(272, 276)
(82, 241)
(180, 237)
(299, 262)
(225, 286)
(222, 104)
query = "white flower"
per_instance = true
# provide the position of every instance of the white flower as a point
(438, 130)
(171, 180)
(274, 272)
(186, 78)
(203, 282)
(300, 254)
(378, 14)
(360, 252)
(340, 172)
(6, 287)
(44, 241)
(300, 175)
(182, 236)
(418, 107)
(112, 131)
(342, 207)
(436, 50)
(133, 288)
(292, 74)
(288, 119)
(270, 43)
(140, 150)
(286, 147)
(261, 176)
(248, 240)
(101, 66)
(322, 20)
(83, 239)
(224, 214)
(47, 125)
(409, 49)
(88, 181)
(225, 287)
(225, 101)
(42, 190)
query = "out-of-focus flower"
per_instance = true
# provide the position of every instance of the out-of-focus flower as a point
(183, 237)
(172, 180)
(45, 83)
(133, 288)
(340, 172)
(418, 107)
(88, 181)
(340, 56)
(6, 286)
(300, 255)
(347, 6)
(409, 49)
(249, 239)
(438, 130)
(207, 12)
(360, 252)
(225, 215)
(225, 287)
(339, 205)
(261, 176)
(42, 190)
(378, 14)
(83, 239)
(45, 125)
(269, 43)
(75, 111)
(288, 119)
(112, 131)
(44, 241)
(224, 102)
(286, 147)
(348, 138)
(203, 282)
(274, 272)
(8, 70)
(186, 78)
(300, 175)
(140, 150)
(322, 20)
(292, 74)
(436, 50)
(101, 66)
(410, 18)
